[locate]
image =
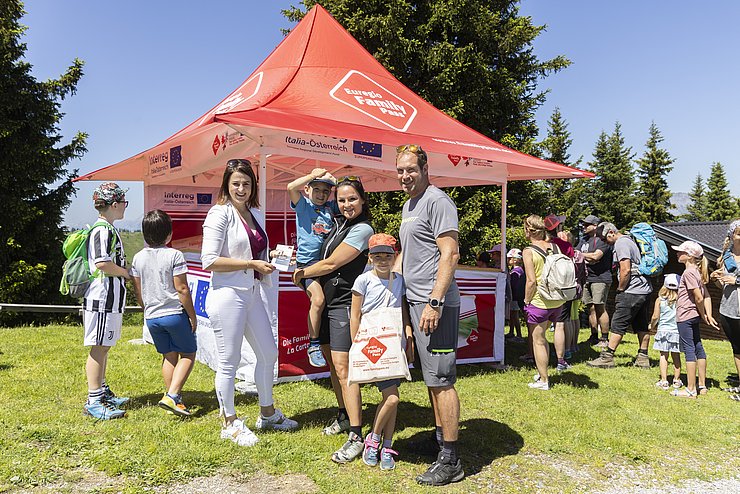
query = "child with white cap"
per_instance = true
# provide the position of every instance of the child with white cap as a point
(666, 331)
(693, 307)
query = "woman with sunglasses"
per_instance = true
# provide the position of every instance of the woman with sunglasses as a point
(235, 250)
(344, 257)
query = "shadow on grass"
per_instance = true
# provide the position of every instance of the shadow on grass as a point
(481, 441)
(409, 415)
(574, 380)
(4, 367)
(199, 402)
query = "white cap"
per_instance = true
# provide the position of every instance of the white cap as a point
(672, 281)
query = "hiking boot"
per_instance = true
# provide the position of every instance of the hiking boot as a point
(176, 407)
(602, 344)
(315, 357)
(349, 450)
(642, 361)
(336, 427)
(442, 472)
(111, 397)
(278, 422)
(370, 453)
(239, 433)
(387, 462)
(604, 361)
(103, 410)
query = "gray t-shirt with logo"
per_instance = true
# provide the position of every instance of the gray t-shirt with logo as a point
(626, 248)
(426, 217)
(157, 268)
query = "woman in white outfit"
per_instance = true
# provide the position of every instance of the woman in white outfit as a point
(235, 250)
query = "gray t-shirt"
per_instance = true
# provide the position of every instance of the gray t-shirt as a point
(426, 217)
(729, 306)
(157, 268)
(626, 248)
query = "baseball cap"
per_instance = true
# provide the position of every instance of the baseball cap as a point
(671, 281)
(591, 220)
(330, 182)
(382, 242)
(552, 221)
(517, 253)
(691, 248)
(109, 193)
(496, 248)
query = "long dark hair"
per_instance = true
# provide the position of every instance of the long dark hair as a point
(356, 184)
(245, 167)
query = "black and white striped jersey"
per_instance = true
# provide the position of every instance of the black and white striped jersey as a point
(106, 293)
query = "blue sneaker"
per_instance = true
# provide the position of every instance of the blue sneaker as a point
(387, 462)
(370, 453)
(103, 410)
(110, 397)
(315, 357)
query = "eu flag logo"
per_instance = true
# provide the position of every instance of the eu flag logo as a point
(199, 304)
(367, 149)
(205, 198)
(175, 156)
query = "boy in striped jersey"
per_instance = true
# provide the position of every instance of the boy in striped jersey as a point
(104, 300)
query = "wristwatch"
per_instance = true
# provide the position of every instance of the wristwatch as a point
(435, 303)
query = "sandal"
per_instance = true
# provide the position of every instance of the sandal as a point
(683, 393)
(702, 390)
(677, 383)
(662, 385)
(733, 390)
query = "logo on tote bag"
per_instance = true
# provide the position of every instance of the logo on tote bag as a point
(374, 350)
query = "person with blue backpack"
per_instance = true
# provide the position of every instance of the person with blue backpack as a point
(631, 309)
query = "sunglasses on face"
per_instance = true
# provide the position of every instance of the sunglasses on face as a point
(125, 203)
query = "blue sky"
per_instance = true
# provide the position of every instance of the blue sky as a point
(151, 69)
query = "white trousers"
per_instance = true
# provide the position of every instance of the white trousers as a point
(235, 315)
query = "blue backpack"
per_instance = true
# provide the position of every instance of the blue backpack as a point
(653, 251)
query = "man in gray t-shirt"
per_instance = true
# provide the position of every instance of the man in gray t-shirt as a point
(430, 253)
(631, 305)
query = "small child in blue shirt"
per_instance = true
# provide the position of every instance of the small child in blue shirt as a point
(313, 215)
(161, 285)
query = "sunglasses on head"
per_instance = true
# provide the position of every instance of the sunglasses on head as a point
(350, 178)
(411, 148)
(235, 163)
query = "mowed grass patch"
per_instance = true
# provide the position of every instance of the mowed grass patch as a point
(594, 426)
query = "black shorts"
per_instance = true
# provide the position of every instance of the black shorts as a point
(565, 313)
(630, 312)
(335, 329)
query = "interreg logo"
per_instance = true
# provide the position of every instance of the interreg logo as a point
(358, 91)
(159, 163)
(179, 199)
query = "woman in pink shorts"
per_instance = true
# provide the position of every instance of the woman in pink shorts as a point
(540, 312)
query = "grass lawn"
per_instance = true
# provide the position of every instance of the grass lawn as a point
(594, 429)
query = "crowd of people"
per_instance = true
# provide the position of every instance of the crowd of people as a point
(335, 243)
(683, 302)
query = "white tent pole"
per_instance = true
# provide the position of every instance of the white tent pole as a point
(504, 187)
(498, 335)
(263, 180)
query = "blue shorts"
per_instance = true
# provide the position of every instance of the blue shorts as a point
(172, 334)
(306, 281)
(382, 385)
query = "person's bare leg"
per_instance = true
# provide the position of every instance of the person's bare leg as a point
(541, 349)
(603, 319)
(181, 373)
(447, 408)
(559, 340)
(350, 392)
(326, 350)
(169, 361)
(95, 366)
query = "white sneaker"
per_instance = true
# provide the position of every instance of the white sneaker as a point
(543, 385)
(278, 421)
(536, 377)
(239, 433)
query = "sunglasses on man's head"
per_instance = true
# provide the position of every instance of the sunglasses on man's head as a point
(411, 148)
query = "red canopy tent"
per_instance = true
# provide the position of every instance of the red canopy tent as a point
(319, 100)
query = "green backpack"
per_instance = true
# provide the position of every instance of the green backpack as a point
(76, 275)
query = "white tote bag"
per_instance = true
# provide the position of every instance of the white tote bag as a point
(377, 352)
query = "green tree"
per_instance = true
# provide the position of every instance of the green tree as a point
(35, 184)
(472, 59)
(563, 196)
(697, 208)
(721, 206)
(653, 197)
(613, 191)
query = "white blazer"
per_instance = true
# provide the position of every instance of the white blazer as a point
(224, 236)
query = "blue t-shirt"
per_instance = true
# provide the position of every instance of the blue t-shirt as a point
(313, 224)
(375, 291)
